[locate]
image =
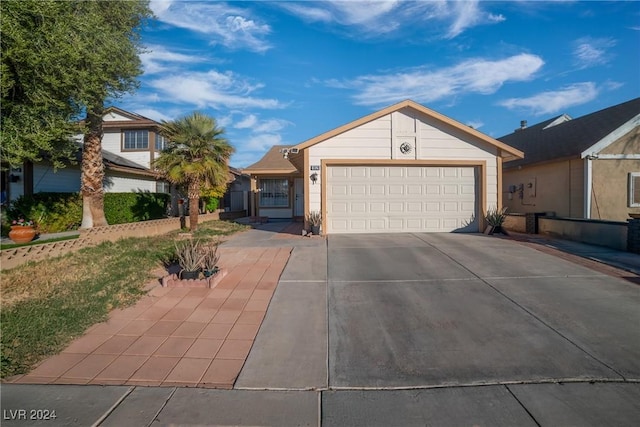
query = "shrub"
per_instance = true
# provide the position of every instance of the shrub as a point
(211, 204)
(56, 212)
(121, 208)
(51, 212)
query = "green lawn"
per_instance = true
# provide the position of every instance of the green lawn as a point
(47, 304)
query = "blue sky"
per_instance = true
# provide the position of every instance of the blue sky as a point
(283, 72)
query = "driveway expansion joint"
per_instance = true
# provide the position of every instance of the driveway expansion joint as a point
(520, 306)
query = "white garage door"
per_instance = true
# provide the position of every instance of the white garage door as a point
(395, 199)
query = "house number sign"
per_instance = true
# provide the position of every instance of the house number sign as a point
(315, 167)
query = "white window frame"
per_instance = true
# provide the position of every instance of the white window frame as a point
(163, 187)
(274, 193)
(138, 140)
(161, 142)
(634, 186)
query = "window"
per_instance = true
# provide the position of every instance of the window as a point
(634, 190)
(136, 139)
(163, 187)
(274, 193)
(161, 142)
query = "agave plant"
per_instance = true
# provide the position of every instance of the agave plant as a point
(495, 217)
(315, 218)
(189, 254)
(210, 258)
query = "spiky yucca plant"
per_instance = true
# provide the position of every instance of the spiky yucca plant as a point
(495, 217)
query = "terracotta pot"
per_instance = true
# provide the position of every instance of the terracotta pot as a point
(22, 234)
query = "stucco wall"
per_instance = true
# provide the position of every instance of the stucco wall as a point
(603, 233)
(380, 139)
(610, 195)
(556, 187)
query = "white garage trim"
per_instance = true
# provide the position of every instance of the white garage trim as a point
(481, 191)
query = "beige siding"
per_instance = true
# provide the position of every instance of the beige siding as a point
(111, 141)
(113, 117)
(381, 139)
(124, 184)
(576, 187)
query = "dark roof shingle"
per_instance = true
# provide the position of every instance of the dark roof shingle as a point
(570, 138)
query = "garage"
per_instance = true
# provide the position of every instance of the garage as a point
(407, 198)
(402, 169)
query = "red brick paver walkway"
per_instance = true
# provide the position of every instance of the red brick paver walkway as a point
(176, 336)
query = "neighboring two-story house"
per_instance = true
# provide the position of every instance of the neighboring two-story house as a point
(585, 167)
(129, 144)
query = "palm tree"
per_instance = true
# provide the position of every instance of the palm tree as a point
(197, 156)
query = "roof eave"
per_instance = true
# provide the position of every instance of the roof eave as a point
(256, 172)
(508, 152)
(611, 137)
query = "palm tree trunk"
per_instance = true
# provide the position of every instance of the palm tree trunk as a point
(194, 203)
(93, 174)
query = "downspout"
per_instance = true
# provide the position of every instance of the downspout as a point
(588, 186)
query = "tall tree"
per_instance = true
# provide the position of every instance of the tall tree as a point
(110, 39)
(38, 79)
(196, 156)
(62, 60)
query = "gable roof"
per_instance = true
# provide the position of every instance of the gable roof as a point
(273, 162)
(508, 152)
(571, 138)
(135, 120)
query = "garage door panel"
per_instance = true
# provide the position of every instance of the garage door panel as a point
(376, 207)
(377, 189)
(377, 225)
(396, 206)
(358, 190)
(338, 172)
(339, 208)
(378, 173)
(395, 199)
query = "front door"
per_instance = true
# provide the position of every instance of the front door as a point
(298, 207)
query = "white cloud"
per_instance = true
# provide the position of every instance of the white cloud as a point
(554, 101)
(425, 84)
(467, 14)
(590, 52)
(253, 123)
(379, 17)
(212, 89)
(158, 59)
(153, 114)
(262, 142)
(228, 25)
(248, 122)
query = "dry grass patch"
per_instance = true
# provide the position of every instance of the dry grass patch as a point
(48, 303)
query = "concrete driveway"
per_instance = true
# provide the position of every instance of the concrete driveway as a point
(458, 326)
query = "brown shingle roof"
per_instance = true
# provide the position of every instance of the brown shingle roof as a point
(541, 143)
(272, 162)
